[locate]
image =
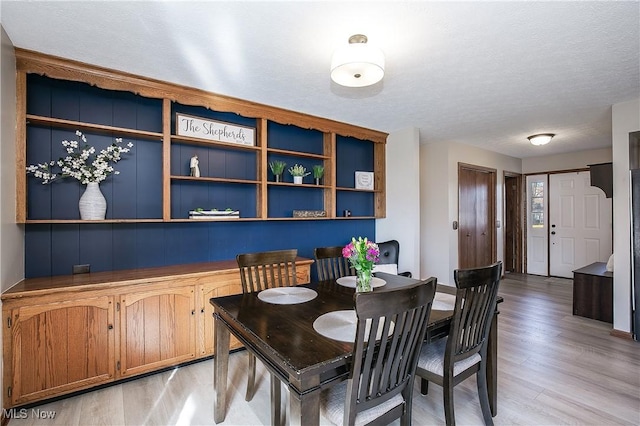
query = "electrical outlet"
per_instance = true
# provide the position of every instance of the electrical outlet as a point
(81, 269)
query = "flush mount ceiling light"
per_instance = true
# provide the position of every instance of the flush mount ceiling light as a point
(357, 64)
(541, 139)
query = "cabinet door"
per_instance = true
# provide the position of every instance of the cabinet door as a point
(61, 347)
(157, 329)
(221, 287)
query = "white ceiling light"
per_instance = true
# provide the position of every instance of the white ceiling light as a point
(541, 139)
(357, 64)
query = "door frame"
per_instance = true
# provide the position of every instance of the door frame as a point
(519, 219)
(492, 202)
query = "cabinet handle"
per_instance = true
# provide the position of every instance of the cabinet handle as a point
(202, 311)
(110, 327)
(193, 312)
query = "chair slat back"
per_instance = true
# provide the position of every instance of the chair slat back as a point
(390, 330)
(269, 269)
(477, 290)
(330, 263)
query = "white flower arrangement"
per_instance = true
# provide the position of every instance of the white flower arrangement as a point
(81, 163)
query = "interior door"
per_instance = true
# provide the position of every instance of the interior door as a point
(581, 223)
(476, 216)
(537, 218)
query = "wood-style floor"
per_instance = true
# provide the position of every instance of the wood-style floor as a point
(553, 369)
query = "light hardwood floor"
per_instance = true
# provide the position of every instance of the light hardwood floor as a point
(553, 369)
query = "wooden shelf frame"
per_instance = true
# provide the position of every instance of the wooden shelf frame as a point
(28, 62)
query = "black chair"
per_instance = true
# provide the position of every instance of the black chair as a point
(260, 271)
(389, 255)
(463, 353)
(390, 330)
(330, 264)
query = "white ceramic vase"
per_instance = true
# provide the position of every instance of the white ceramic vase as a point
(93, 205)
(297, 180)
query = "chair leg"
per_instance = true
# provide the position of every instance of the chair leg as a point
(449, 414)
(251, 377)
(483, 393)
(424, 386)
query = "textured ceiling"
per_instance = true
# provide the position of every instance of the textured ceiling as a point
(479, 73)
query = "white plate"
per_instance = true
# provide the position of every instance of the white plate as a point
(444, 302)
(287, 295)
(350, 281)
(341, 326)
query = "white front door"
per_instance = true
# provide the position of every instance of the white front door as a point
(580, 218)
(537, 220)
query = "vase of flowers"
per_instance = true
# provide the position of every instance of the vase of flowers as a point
(83, 164)
(362, 255)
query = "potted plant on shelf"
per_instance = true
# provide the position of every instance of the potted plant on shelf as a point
(298, 172)
(277, 168)
(318, 172)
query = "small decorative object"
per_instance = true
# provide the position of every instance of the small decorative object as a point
(364, 180)
(193, 165)
(84, 165)
(277, 168)
(362, 255)
(214, 214)
(318, 172)
(309, 213)
(298, 172)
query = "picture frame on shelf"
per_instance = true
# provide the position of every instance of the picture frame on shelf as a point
(364, 180)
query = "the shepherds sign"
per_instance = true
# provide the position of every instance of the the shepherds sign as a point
(203, 128)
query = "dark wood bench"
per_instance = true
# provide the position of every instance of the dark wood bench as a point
(593, 292)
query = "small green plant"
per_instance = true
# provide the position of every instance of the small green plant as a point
(298, 170)
(277, 167)
(318, 171)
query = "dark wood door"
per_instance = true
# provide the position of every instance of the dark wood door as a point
(511, 226)
(476, 216)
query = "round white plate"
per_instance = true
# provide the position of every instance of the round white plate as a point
(287, 295)
(350, 281)
(341, 326)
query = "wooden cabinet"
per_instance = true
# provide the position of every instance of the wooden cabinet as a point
(57, 346)
(157, 328)
(593, 292)
(56, 97)
(68, 333)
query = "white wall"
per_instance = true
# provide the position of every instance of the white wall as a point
(625, 119)
(572, 160)
(439, 202)
(403, 198)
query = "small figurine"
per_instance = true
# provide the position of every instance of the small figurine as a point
(195, 170)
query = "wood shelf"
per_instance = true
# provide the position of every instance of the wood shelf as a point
(101, 128)
(214, 179)
(173, 98)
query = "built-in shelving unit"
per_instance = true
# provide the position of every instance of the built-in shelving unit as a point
(56, 97)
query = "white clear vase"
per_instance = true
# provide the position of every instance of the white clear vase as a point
(92, 205)
(297, 180)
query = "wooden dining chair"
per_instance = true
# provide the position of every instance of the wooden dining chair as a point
(463, 353)
(330, 264)
(260, 271)
(390, 329)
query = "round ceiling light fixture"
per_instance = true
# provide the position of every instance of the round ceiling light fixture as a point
(541, 139)
(357, 64)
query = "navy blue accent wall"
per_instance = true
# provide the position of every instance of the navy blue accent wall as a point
(53, 249)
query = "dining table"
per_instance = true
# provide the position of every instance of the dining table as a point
(282, 328)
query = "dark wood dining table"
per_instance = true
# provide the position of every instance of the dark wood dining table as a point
(283, 338)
